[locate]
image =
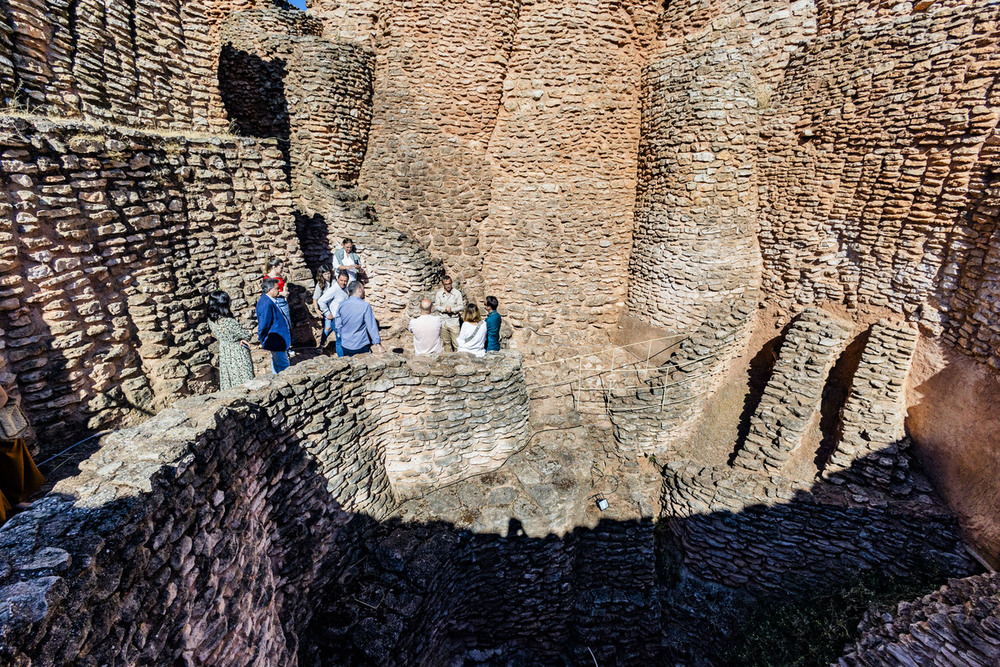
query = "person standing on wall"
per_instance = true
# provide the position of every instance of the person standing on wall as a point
(235, 362)
(426, 330)
(329, 305)
(19, 477)
(348, 259)
(273, 327)
(358, 329)
(448, 303)
(493, 321)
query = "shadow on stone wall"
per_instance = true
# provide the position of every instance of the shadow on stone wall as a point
(239, 552)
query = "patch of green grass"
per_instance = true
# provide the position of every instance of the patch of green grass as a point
(814, 631)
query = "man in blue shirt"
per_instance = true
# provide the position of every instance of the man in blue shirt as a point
(273, 328)
(493, 321)
(358, 329)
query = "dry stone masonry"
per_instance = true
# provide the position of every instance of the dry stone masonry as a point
(111, 239)
(790, 406)
(203, 535)
(816, 177)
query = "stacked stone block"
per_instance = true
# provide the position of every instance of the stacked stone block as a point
(872, 419)
(401, 271)
(879, 145)
(790, 406)
(957, 625)
(556, 243)
(764, 534)
(657, 417)
(204, 535)
(456, 596)
(137, 62)
(111, 241)
(280, 79)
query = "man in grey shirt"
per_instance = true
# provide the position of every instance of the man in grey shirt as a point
(448, 303)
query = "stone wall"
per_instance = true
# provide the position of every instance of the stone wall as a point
(955, 625)
(110, 241)
(280, 79)
(140, 62)
(204, 534)
(876, 187)
(772, 537)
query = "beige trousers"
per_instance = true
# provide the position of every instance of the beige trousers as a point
(449, 334)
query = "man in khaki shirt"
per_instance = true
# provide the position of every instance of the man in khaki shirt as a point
(448, 303)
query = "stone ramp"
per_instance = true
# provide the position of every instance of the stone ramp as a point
(793, 396)
(872, 420)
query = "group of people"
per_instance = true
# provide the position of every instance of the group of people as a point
(449, 324)
(445, 324)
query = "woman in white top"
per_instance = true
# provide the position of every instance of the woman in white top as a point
(472, 336)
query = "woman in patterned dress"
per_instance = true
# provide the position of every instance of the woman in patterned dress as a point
(235, 363)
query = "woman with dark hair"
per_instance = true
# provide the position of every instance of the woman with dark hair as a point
(275, 266)
(493, 321)
(235, 363)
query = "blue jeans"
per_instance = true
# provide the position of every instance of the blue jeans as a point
(350, 353)
(279, 362)
(330, 326)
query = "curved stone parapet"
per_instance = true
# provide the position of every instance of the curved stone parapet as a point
(695, 266)
(201, 535)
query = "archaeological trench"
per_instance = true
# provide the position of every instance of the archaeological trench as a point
(747, 253)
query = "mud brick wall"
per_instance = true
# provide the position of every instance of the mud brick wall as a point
(763, 533)
(135, 62)
(879, 145)
(956, 624)
(203, 534)
(110, 241)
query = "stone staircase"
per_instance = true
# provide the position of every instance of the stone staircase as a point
(792, 399)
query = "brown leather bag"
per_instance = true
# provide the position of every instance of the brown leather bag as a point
(13, 422)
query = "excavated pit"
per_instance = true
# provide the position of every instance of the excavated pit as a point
(746, 259)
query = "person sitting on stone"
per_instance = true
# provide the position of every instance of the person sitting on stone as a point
(348, 259)
(448, 303)
(235, 362)
(329, 305)
(426, 330)
(358, 329)
(273, 328)
(472, 337)
(19, 477)
(493, 321)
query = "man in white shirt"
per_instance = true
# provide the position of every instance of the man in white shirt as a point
(329, 305)
(448, 303)
(348, 259)
(426, 330)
